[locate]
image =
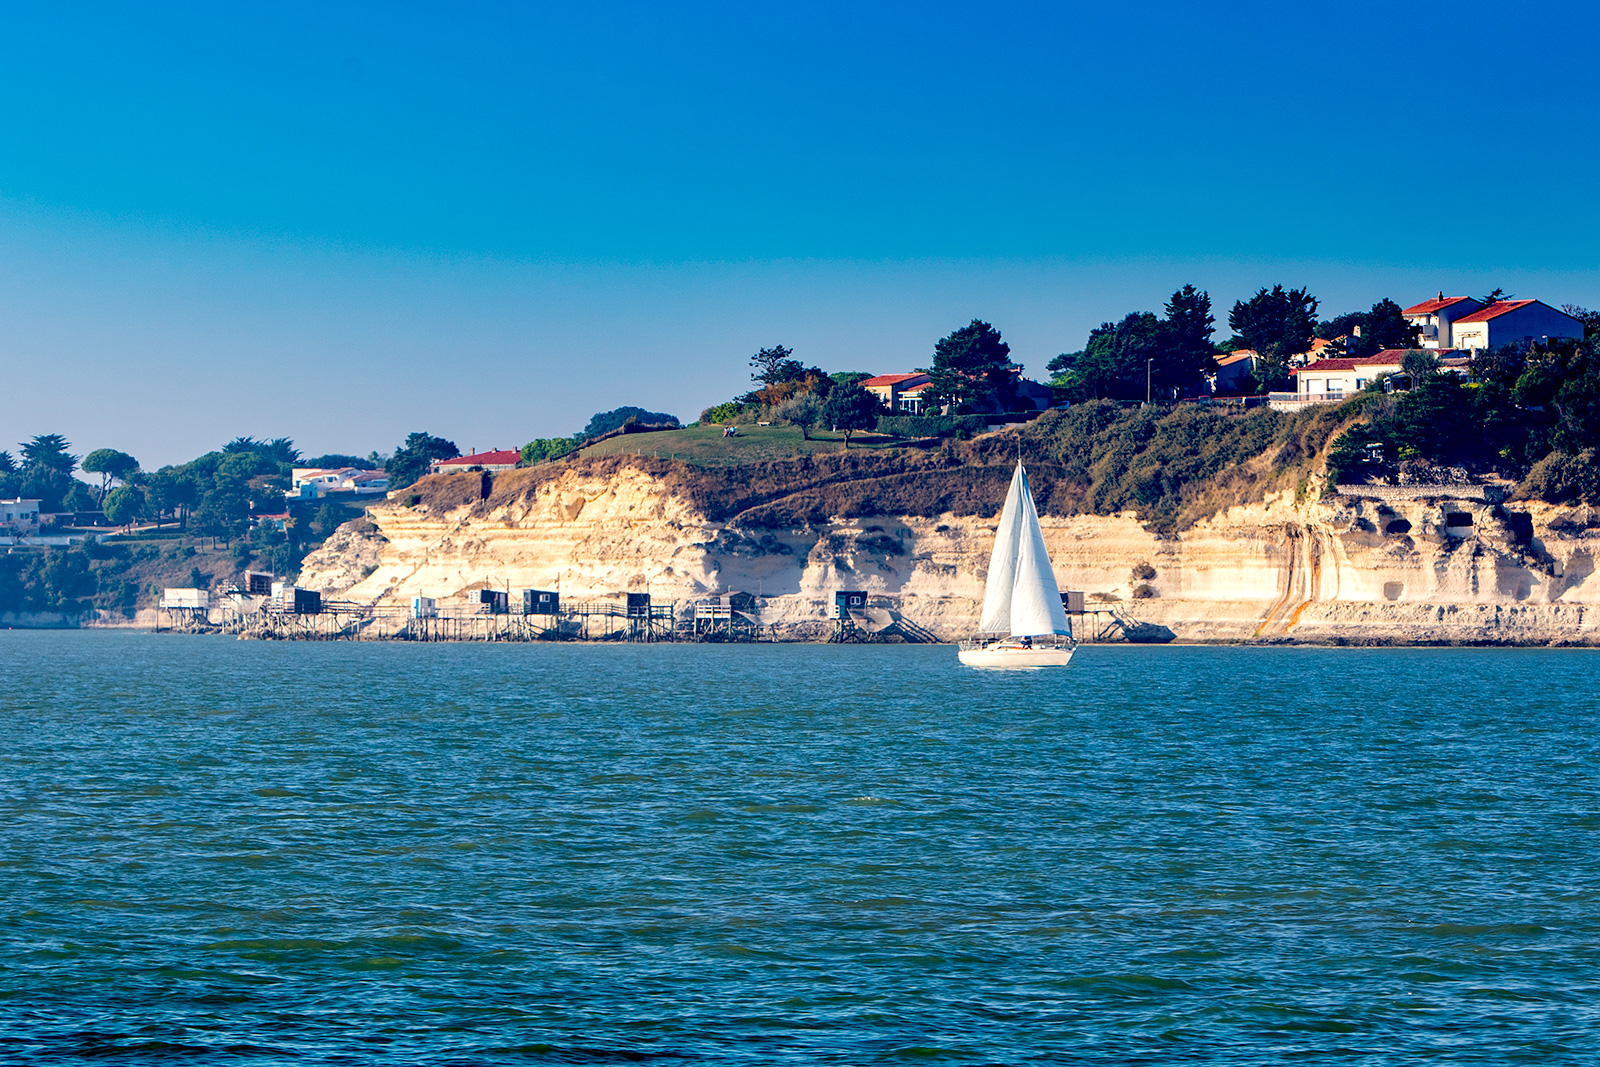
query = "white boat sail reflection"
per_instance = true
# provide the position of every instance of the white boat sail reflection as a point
(1023, 623)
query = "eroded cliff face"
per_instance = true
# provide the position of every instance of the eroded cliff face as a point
(1346, 569)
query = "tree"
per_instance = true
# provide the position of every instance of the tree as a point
(805, 410)
(1276, 322)
(412, 459)
(124, 505)
(279, 450)
(847, 377)
(1385, 327)
(1271, 373)
(972, 368)
(1185, 354)
(328, 519)
(172, 490)
(774, 365)
(8, 465)
(333, 461)
(1113, 363)
(1501, 366)
(1577, 403)
(850, 408)
(110, 465)
(48, 452)
(1590, 320)
(725, 412)
(605, 421)
(1362, 333)
(1419, 363)
(1434, 421)
(1495, 295)
(543, 448)
(811, 382)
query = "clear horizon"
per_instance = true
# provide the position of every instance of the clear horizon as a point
(489, 223)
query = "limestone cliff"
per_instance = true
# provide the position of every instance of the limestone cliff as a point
(1415, 568)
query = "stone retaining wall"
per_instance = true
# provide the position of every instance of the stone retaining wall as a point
(1487, 494)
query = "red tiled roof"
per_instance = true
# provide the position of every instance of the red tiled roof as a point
(484, 459)
(1234, 357)
(1439, 303)
(1389, 357)
(890, 379)
(1495, 310)
(1382, 359)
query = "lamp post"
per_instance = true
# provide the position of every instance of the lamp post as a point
(1147, 365)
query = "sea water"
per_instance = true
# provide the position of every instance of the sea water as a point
(223, 852)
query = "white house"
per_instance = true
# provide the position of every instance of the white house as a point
(1435, 318)
(1509, 321)
(21, 513)
(1333, 380)
(1329, 381)
(308, 483)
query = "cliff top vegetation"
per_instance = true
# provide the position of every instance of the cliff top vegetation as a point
(1171, 466)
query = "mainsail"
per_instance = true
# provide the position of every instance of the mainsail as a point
(1021, 597)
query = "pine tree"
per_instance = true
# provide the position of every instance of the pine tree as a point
(1188, 355)
(1277, 322)
(972, 368)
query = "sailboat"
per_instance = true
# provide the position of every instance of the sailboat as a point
(1023, 624)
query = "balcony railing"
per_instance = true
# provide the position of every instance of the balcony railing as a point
(1291, 401)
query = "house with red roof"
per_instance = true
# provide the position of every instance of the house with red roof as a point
(493, 460)
(1334, 380)
(1433, 318)
(1511, 321)
(1330, 381)
(888, 388)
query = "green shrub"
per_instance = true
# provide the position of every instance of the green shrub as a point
(963, 426)
(1563, 479)
(722, 413)
(543, 448)
(1170, 465)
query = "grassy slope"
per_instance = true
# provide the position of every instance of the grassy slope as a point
(704, 446)
(1171, 466)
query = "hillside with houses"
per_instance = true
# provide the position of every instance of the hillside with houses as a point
(1453, 391)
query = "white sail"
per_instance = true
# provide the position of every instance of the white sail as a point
(996, 617)
(1035, 598)
(1021, 597)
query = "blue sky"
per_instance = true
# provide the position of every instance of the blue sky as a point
(341, 223)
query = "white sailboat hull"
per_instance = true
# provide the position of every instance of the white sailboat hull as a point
(1013, 657)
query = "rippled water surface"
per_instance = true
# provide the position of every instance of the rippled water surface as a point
(215, 851)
